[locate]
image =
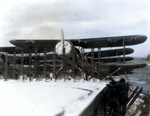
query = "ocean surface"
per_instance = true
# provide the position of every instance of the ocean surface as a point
(140, 77)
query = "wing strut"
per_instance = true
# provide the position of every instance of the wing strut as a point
(115, 71)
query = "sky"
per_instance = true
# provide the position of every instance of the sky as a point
(43, 19)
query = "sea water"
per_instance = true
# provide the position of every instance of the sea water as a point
(141, 76)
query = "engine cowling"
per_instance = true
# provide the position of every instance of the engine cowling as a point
(67, 49)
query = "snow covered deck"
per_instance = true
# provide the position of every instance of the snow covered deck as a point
(40, 98)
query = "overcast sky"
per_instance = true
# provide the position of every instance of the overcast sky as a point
(35, 19)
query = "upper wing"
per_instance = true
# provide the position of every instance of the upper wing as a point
(109, 41)
(30, 45)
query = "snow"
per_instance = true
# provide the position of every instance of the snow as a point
(40, 98)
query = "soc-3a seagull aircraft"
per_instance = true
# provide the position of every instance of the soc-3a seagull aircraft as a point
(69, 58)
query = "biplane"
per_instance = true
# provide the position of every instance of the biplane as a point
(70, 58)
